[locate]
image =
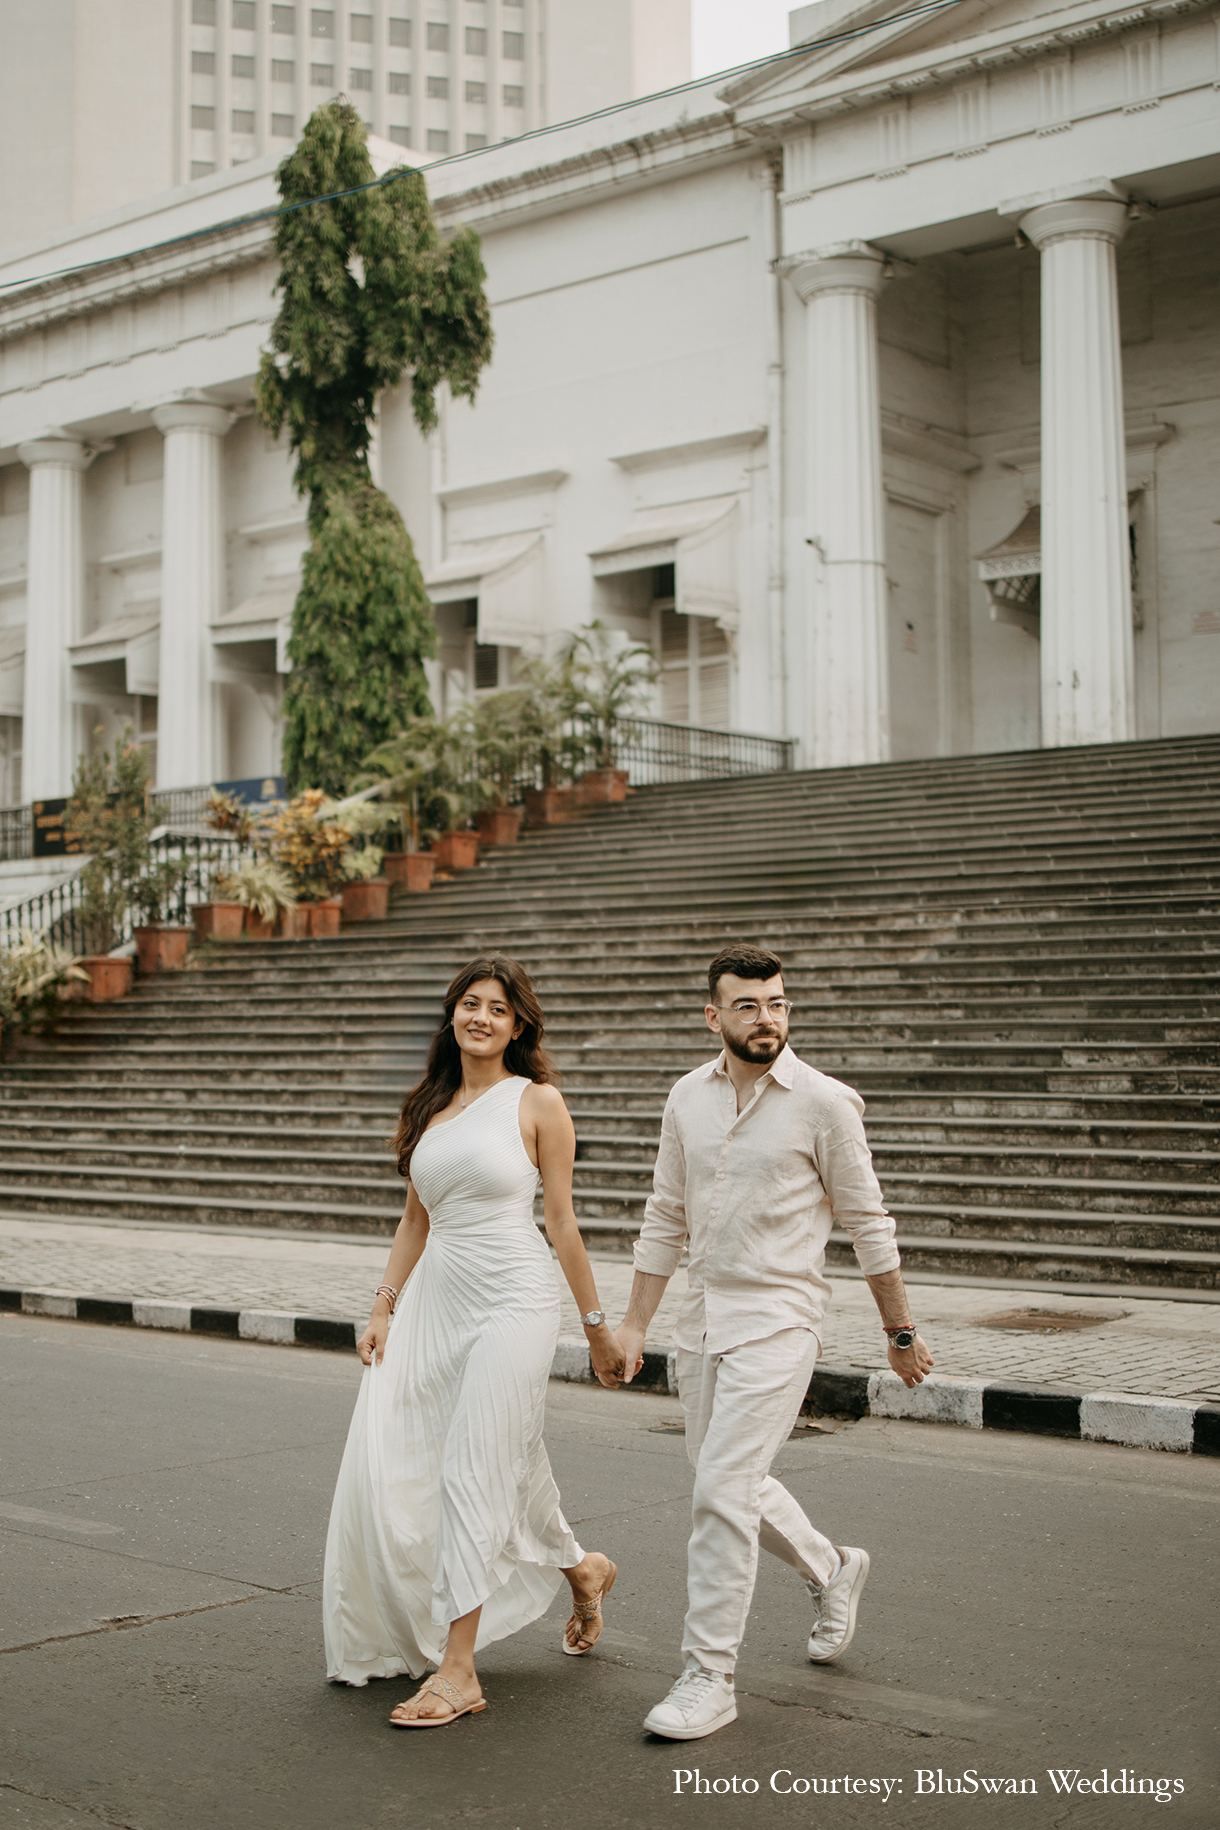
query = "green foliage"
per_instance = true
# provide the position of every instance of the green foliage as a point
(552, 700)
(34, 976)
(611, 679)
(370, 290)
(262, 885)
(499, 738)
(361, 629)
(155, 890)
(108, 816)
(427, 772)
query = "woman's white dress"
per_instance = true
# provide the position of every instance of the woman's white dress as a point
(445, 1500)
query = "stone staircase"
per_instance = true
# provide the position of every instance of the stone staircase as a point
(1016, 959)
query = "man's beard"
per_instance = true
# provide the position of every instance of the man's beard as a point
(755, 1048)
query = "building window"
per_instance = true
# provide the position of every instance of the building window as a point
(438, 140)
(203, 63)
(243, 120)
(400, 82)
(203, 118)
(514, 95)
(284, 19)
(486, 667)
(694, 654)
(203, 12)
(476, 92)
(400, 31)
(283, 70)
(322, 76)
(438, 36)
(514, 46)
(360, 79)
(281, 126)
(360, 27)
(321, 23)
(202, 168)
(401, 136)
(474, 141)
(242, 66)
(476, 41)
(243, 16)
(438, 87)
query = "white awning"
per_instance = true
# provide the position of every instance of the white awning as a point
(12, 672)
(703, 554)
(135, 640)
(265, 617)
(506, 578)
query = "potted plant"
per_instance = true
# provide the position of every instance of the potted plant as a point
(427, 772)
(36, 975)
(161, 945)
(311, 850)
(264, 895)
(612, 680)
(108, 818)
(401, 771)
(222, 915)
(498, 734)
(366, 892)
(554, 745)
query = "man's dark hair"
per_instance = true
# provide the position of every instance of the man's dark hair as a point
(744, 962)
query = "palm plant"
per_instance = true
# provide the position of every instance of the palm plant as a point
(261, 885)
(611, 680)
(498, 733)
(551, 703)
(427, 774)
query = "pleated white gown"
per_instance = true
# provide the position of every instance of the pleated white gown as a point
(445, 1500)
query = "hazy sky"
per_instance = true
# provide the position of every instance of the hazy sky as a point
(728, 32)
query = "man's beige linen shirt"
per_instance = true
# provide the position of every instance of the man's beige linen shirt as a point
(755, 1195)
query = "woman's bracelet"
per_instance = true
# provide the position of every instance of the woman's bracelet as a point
(390, 1294)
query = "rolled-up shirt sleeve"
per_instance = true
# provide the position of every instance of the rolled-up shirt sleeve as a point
(662, 1237)
(845, 1165)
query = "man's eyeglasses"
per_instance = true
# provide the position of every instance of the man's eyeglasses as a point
(749, 1008)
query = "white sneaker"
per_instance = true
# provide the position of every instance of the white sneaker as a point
(699, 1703)
(834, 1607)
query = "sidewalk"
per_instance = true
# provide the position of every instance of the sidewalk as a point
(1144, 1348)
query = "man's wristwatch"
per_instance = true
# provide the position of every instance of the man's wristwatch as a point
(902, 1338)
(594, 1319)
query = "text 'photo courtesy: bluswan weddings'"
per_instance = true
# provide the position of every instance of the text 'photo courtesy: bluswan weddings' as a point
(928, 1780)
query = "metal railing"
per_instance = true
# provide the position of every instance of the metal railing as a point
(653, 752)
(59, 912)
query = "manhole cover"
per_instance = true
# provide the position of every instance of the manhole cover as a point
(1047, 1321)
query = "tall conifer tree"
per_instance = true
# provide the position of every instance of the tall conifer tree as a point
(370, 290)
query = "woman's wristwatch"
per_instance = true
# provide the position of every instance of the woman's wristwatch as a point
(594, 1319)
(903, 1337)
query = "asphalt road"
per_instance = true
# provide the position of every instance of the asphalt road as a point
(1035, 1605)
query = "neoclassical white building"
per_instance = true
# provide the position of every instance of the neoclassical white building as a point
(878, 389)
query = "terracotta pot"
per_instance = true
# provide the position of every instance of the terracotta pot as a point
(161, 949)
(548, 806)
(294, 922)
(456, 851)
(414, 868)
(217, 920)
(499, 825)
(366, 900)
(324, 918)
(108, 978)
(258, 929)
(597, 786)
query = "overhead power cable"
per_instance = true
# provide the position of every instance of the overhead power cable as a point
(285, 209)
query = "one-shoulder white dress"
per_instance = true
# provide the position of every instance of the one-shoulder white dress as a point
(445, 1500)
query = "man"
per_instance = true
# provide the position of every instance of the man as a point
(760, 1155)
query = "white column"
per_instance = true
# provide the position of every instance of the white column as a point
(1088, 691)
(846, 523)
(192, 588)
(55, 598)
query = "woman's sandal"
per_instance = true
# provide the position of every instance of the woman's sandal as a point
(438, 1686)
(586, 1611)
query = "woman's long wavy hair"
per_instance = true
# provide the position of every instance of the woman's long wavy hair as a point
(524, 1055)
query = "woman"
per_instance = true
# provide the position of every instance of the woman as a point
(446, 1531)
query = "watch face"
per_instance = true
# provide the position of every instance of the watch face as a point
(904, 1338)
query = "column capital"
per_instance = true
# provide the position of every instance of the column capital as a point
(1103, 219)
(847, 266)
(56, 448)
(192, 415)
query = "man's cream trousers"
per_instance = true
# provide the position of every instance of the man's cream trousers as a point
(740, 1407)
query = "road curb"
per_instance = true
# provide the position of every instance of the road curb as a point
(1131, 1419)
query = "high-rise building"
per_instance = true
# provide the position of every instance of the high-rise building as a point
(103, 102)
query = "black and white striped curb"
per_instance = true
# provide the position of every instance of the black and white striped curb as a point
(1128, 1418)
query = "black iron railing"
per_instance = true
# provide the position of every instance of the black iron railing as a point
(653, 752)
(59, 912)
